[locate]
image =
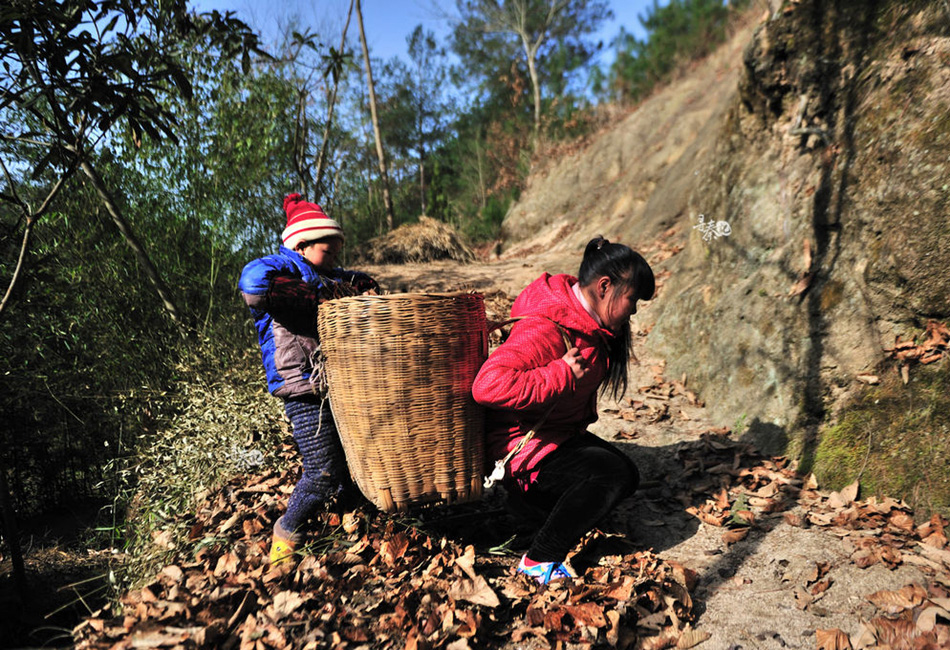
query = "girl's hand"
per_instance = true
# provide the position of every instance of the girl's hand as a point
(578, 364)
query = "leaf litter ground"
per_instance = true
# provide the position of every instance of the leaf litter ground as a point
(721, 548)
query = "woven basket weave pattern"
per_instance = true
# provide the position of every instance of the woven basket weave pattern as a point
(400, 369)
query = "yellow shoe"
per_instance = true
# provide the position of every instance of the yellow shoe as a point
(282, 552)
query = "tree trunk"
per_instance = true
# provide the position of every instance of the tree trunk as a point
(530, 54)
(324, 146)
(140, 254)
(300, 141)
(422, 178)
(482, 190)
(336, 183)
(387, 199)
(12, 535)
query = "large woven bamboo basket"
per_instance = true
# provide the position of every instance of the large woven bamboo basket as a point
(400, 369)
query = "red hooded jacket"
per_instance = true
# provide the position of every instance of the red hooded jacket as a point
(526, 374)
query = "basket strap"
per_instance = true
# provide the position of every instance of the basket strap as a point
(498, 472)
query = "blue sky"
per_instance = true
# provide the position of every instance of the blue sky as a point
(388, 22)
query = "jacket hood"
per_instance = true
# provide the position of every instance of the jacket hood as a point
(552, 296)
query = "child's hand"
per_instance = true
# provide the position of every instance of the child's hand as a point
(578, 364)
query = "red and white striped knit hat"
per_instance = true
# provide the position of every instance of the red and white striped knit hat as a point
(306, 222)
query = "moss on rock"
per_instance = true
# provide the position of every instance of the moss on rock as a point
(895, 439)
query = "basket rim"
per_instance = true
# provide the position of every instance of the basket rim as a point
(408, 295)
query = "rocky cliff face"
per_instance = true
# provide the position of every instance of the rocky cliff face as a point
(820, 136)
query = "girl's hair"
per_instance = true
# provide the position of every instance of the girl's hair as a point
(625, 268)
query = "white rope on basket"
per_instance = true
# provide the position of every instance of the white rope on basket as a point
(498, 473)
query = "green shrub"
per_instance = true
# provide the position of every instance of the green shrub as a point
(216, 420)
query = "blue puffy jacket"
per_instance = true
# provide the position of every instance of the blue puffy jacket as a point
(283, 292)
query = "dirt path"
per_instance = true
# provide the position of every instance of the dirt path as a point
(720, 548)
(791, 577)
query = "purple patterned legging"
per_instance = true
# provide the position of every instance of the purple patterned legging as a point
(324, 466)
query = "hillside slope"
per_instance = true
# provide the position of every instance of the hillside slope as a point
(819, 135)
(634, 179)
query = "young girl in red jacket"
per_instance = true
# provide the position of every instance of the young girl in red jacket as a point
(569, 475)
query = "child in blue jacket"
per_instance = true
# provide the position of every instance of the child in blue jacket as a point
(283, 292)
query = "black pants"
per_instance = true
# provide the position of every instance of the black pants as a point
(577, 485)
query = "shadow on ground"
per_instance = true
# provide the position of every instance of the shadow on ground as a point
(65, 580)
(686, 475)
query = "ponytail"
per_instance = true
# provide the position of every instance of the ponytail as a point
(625, 268)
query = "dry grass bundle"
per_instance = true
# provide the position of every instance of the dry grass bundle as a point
(425, 241)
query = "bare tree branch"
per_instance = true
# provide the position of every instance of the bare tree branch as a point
(24, 246)
(324, 146)
(139, 251)
(31, 219)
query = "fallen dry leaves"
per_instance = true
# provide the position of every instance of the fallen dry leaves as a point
(659, 250)
(652, 403)
(934, 344)
(912, 617)
(833, 639)
(370, 580)
(663, 247)
(879, 530)
(728, 484)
